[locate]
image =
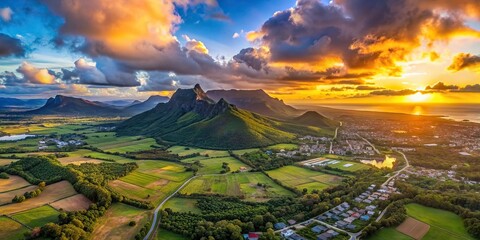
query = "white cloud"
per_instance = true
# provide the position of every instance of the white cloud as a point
(236, 35)
(6, 14)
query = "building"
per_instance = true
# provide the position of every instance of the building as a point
(279, 225)
(365, 217)
(319, 229)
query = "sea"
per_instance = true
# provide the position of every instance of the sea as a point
(457, 112)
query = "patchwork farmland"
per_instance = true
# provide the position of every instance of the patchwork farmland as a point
(300, 178)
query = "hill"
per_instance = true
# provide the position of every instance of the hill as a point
(15, 104)
(257, 101)
(70, 106)
(312, 118)
(192, 118)
(139, 107)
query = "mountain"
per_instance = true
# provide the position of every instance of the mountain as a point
(14, 104)
(139, 107)
(257, 101)
(312, 118)
(68, 106)
(192, 118)
(122, 102)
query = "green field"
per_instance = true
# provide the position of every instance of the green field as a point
(444, 225)
(183, 151)
(243, 151)
(284, 146)
(243, 185)
(108, 141)
(301, 178)
(390, 234)
(182, 205)
(214, 165)
(152, 181)
(114, 224)
(355, 167)
(11, 229)
(37, 217)
(163, 234)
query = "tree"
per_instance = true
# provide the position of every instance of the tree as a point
(269, 235)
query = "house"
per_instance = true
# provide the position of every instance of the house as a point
(333, 233)
(335, 217)
(279, 225)
(341, 209)
(341, 224)
(349, 219)
(351, 226)
(357, 199)
(350, 212)
(319, 229)
(371, 208)
(291, 222)
(365, 217)
(356, 215)
(251, 236)
(296, 237)
(328, 215)
(324, 236)
(367, 201)
(287, 233)
(322, 218)
(336, 212)
(345, 205)
(344, 215)
(370, 213)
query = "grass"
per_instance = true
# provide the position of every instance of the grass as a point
(163, 234)
(52, 193)
(182, 205)
(443, 224)
(243, 151)
(13, 182)
(183, 151)
(6, 197)
(108, 141)
(11, 229)
(214, 165)
(37, 217)
(355, 167)
(301, 178)
(152, 181)
(4, 162)
(243, 185)
(114, 224)
(389, 233)
(284, 146)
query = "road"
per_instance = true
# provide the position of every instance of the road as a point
(369, 143)
(334, 137)
(154, 225)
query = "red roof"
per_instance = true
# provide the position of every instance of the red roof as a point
(253, 235)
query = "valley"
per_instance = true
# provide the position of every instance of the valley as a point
(193, 166)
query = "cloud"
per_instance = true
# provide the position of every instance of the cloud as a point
(475, 88)
(236, 35)
(220, 16)
(370, 36)
(255, 58)
(6, 14)
(388, 92)
(31, 74)
(367, 88)
(465, 61)
(10, 46)
(195, 45)
(440, 86)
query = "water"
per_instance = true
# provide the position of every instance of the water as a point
(15, 137)
(387, 163)
(458, 112)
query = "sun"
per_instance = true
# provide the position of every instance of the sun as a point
(418, 97)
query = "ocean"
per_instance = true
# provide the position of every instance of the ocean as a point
(458, 112)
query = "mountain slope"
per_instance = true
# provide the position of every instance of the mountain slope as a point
(16, 104)
(192, 118)
(312, 118)
(257, 101)
(70, 106)
(139, 107)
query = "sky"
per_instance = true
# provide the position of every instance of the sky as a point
(304, 51)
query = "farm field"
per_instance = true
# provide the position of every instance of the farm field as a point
(109, 142)
(74, 203)
(214, 165)
(37, 217)
(163, 234)
(413, 228)
(152, 181)
(301, 178)
(6, 197)
(51, 193)
(13, 182)
(284, 146)
(4, 162)
(443, 224)
(182, 205)
(29, 144)
(243, 151)
(390, 234)
(11, 229)
(79, 157)
(243, 185)
(114, 224)
(183, 151)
